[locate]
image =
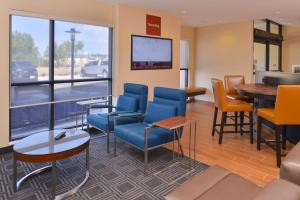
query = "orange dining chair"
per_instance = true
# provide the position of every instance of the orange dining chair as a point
(226, 106)
(231, 81)
(286, 112)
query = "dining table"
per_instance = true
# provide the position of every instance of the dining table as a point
(257, 91)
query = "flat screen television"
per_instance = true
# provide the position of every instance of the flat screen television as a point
(150, 53)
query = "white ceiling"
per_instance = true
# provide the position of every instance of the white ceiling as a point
(206, 12)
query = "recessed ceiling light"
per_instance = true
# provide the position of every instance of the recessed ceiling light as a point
(277, 12)
(183, 12)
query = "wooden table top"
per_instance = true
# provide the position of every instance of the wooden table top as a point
(252, 89)
(43, 147)
(172, 123)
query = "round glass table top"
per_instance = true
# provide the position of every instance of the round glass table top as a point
(44, 143)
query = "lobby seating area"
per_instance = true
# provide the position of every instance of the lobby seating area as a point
(150, 100)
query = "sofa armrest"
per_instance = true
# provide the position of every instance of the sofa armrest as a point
(279, 190)
(198, 184)
(290, 167)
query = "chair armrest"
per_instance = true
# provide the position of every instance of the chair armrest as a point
(130, 115)
(101, 106)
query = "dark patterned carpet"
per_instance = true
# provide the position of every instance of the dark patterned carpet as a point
(120, 177)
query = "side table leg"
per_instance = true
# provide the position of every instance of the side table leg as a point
(15, 173)
(190, 141)
(54, 179)
(195, 138)
(87, 164)
(173, 144)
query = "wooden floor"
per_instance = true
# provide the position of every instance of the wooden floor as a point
(235, 154)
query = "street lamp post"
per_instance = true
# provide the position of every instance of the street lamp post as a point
(72, 32)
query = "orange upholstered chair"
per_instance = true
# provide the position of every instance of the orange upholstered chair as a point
(286, 112)
(225, 106)
(231, 81)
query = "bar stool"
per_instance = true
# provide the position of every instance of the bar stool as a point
(286, 112)
(238, 106)
(231, 93)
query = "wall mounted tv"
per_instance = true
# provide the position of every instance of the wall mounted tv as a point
(150, 53)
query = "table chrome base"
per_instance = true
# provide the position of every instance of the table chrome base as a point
(74, 190)
(31, 174)
(48, 168)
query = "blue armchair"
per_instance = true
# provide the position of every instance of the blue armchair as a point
(134, 99)
(166, 103)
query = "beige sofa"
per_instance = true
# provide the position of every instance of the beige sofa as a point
(217, 183)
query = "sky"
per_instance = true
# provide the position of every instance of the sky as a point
(95, 38)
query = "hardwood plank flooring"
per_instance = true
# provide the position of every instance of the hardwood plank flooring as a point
(235, 154)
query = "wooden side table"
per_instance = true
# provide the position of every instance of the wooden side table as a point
(175, 124)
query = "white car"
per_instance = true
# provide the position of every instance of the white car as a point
(96, 68)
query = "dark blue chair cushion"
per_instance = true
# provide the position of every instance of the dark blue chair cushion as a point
(126, 103)
(170, 96)
(135, 134)
(137, 91)
(99, 121)
(156, 112)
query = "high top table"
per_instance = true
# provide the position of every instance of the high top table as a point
(42, 148)
(256, 90)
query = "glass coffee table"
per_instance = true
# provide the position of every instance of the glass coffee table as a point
(42, 148)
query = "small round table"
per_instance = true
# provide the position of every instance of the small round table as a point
(42, 148)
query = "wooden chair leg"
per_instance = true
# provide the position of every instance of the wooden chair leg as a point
(284, 137)
(241, 123)
(278, 145)
(258, 139)
(235, 121)
(224, 114)
(214, 121)
(251, 126)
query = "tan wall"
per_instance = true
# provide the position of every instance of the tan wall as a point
(223, 49)
(290, 48)
(189, 34)
(131, 20)
(125, 20)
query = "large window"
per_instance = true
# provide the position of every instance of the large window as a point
(55, 61)
(267, 45)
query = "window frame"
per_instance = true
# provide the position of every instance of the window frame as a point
(268, 40)
(52, 82)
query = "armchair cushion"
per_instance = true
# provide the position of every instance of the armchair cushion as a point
(156, 112)
(101, 120)
(135, 134)
(126, 103)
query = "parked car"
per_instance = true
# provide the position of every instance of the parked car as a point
(23, 71)
(96, 68)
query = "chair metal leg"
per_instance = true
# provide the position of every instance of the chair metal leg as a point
(258, 139)
(146, 151)
(214, 121)
(224, 114)
(241, 123)
(107, 142)
(235, 121)
(278, 145)
(115, 146)
(284, 137)
(107, 135)
(251, 126)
